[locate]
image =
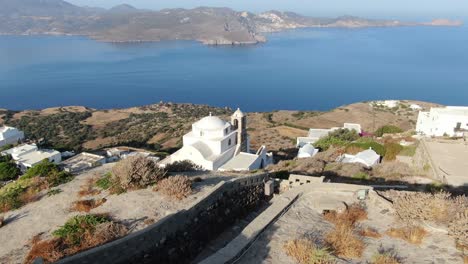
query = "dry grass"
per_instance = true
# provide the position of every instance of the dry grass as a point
(305, 251)
(353, 214)
(344, 239)
(87, 205)
(369, 232)
(87, 189)
(384, 258)
(411, 234)
(344, 242)
(178, 187)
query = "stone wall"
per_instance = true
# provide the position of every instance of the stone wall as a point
(423, 161)
(180, 237)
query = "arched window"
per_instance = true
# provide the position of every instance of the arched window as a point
(236, 123)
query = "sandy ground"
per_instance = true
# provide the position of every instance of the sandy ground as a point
(450, 158)
(47, 214)
(303, 220)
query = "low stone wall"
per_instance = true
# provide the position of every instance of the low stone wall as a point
(422, 160)
(180, 237)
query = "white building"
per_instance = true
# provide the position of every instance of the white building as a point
(215, 144)
(83, 161)
(415, 107)
(367, 158)
(316, 133)
(27, 156)
(387, 103)
(307, 151)
(450, 121)
(10, 135)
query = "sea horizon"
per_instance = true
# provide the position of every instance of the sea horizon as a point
(302, 69)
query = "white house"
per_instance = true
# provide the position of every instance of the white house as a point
(387, 103)
(368, 158)
(10, 135)
(27, 156)
(451, 121)
(316, 133)
(307, 151)
(215, 144)
(415, 107)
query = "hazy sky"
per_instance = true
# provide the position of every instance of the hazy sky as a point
(373, 8)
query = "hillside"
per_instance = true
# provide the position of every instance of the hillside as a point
(160, 127)
(125, 23)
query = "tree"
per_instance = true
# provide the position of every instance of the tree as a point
(8, 171)
(43, 169)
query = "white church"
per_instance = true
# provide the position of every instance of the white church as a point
(215, 144)
(439, 121)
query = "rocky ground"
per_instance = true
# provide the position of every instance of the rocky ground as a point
(137, 209)
(304, 220)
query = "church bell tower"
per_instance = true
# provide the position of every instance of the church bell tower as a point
(239, 122)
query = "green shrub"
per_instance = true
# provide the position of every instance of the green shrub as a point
(50, 171)
(10, 197)
(361, 176)
(388, 129)
(43, 169)
(8, 171)
(339, 138)
(74, 229)
(344, 134)
(368, 143)
(105, 181)
(392, 150)
(53, 192)
(326, 142)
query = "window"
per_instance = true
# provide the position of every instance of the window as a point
(229, 142)
(201, 134)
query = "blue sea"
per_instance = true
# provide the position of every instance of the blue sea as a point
(307, 69)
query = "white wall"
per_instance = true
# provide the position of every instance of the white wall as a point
(440, 122)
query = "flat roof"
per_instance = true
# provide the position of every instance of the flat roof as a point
(37, 156)
(240, 162)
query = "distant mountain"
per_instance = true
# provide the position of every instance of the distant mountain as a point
(123, 8)
(125, 23)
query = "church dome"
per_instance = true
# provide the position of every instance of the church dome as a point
(211, 123)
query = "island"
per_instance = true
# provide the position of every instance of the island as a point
(124, 23)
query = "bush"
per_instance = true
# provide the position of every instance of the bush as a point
(182, 166)
(369, 232)
(43, 169)
(305, 251)
(178, 187)
(136, 173)
(74, 229)
(105, 181)
(339, 137)
(392, 150)
(8, 171)
(345, 134)
(50, 171)
(78, 234)
(53, 192)
(367, 144)
(388, 129)
(361, 176)
(327, 142)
